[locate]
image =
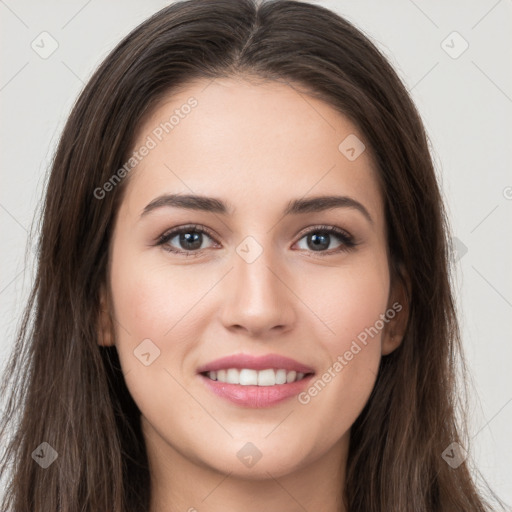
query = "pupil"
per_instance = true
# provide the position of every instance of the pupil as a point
(319, 242)
(193, 241)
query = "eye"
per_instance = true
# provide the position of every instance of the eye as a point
(189, 238)
(320, 237)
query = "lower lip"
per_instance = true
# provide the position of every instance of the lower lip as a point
(256, 396)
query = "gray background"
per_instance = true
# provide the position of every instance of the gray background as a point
(466, 104)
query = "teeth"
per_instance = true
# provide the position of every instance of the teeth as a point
(291, 376)
(266, 377)
(280, 376)
(248, 377)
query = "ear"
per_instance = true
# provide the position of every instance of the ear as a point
(105, 326)
(397, 312)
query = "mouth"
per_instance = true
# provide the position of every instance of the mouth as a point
(250, 377)
(255, 382)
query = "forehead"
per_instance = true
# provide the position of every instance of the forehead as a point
(252, 144)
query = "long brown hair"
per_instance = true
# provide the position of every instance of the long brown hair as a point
(67, 391)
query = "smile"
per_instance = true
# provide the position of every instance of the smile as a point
(249, 377)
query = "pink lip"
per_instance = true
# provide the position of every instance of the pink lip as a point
(256, 396)
(268, 361)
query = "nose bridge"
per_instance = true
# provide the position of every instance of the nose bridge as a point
(254, 272)
(257, 300)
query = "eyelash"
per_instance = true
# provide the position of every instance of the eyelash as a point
(347, 240)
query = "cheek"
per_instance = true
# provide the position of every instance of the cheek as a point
(351, 305)
(148, 303)
(348, 301)
(152, 306)
(150, 298)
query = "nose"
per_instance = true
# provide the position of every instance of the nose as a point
(258, 297)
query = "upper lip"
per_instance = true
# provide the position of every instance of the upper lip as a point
(241, 361)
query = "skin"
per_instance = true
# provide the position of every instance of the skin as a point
(256, 146)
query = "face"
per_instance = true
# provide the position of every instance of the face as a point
(264, 273)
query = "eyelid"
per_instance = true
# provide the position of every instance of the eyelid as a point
(325, 227)
(190, 227)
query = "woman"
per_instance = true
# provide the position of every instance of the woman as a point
(243, 296)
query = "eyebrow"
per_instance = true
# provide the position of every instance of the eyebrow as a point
(294, 207)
